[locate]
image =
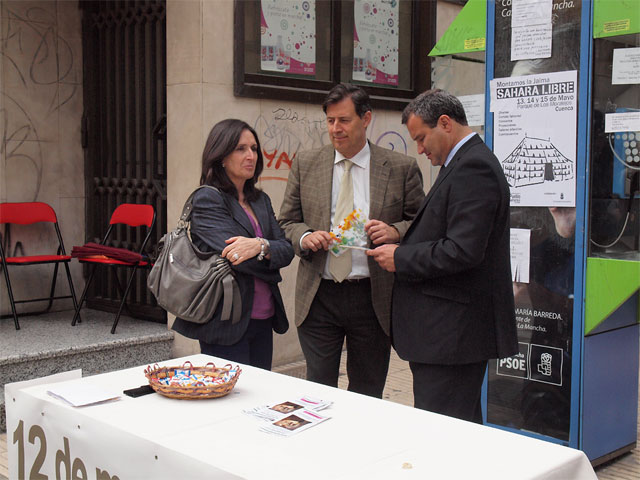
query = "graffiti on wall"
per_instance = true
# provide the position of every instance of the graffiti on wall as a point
(284, 132)
(37, 61)
(390, 139)
(38, 78)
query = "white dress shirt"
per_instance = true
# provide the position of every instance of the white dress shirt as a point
(360, 176)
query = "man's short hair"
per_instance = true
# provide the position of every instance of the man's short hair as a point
(429, 106)
(358, 96)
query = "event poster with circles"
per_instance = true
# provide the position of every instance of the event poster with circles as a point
(288, 36)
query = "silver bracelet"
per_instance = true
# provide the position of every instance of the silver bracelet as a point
(264, 245)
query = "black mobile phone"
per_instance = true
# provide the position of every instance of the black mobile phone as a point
(139, 391)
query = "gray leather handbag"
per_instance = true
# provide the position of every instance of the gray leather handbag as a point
(190, 283)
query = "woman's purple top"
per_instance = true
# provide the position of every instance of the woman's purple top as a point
(263, 306)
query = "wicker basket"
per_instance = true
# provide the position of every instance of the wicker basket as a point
(192, 392)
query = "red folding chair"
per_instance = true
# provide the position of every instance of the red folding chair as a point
(28, 213)
(132, 215)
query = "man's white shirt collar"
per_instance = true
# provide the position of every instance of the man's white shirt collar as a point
(455, 149)
(360, 159)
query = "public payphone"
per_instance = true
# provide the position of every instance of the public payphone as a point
(575, 235)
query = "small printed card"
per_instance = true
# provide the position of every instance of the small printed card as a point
(294, 423)
(349, 233)
(290, 417)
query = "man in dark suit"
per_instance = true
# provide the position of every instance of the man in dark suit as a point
(452, 298)
(387, 186)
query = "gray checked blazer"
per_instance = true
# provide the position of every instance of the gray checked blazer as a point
(395, 196)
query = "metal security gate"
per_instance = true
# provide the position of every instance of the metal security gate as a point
(124, 132)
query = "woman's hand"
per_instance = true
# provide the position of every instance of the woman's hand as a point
(239, 249)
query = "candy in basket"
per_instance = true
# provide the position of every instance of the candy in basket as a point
(189, 382)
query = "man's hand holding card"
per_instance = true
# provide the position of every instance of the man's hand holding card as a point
(350, 233)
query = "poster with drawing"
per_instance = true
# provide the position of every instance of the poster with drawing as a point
(535, 119)
(288, 36)
(375, 42)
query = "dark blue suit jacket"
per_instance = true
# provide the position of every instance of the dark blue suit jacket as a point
(216, 217)
(453, 295)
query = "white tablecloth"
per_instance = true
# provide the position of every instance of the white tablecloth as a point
(157, 437)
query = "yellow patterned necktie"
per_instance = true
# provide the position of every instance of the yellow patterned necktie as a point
(340, 266)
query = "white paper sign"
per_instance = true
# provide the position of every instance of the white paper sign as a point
(626, 66)
(531, 30)
(530, 12)
(622, 122)
(535, 137)
(520, 254)
(474, 109)
(531, 42)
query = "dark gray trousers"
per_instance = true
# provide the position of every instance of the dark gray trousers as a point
(339, 311)
(452, 390)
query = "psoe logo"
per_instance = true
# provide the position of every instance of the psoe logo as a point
(516, 366)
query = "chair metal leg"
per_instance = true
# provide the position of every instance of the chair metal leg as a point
(121, 290)
(84, 294)
(11, 299)
(73, 292)
(124, 299)
(53, 288)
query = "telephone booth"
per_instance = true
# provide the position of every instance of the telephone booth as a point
(562, 114)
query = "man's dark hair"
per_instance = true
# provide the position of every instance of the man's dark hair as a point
(222, 141)
(358, 96)
(429, 106)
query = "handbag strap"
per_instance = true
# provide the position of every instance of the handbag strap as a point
(231, 292)
(231, 298)
(185, 217)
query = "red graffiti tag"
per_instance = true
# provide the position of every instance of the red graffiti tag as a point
(283, 157)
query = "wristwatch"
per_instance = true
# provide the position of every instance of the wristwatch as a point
(264, 248)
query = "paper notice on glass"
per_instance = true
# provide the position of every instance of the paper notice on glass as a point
(530, 12)
(531, 42)
(535, 119)
(531, 30)
(79, 394)
(520, 254)
(626, 66)
(622, 122)
(474, 109)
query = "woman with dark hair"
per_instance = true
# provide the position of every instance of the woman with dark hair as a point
(238, 222)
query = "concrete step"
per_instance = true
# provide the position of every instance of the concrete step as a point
(48, 344)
